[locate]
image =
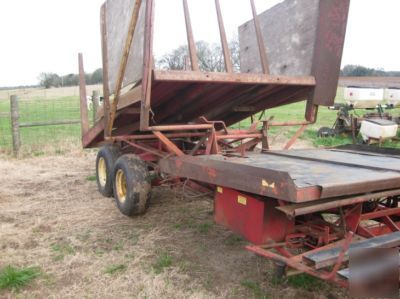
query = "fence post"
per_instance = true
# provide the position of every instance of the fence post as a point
(96, 104)
(15, 125)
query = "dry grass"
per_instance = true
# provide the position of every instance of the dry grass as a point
(53, 218)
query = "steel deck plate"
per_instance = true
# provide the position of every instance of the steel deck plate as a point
(294, 176)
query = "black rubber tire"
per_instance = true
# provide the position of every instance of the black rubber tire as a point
(138, 185)
(326, 132)
(110, 154)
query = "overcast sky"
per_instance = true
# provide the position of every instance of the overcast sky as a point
(46, 35)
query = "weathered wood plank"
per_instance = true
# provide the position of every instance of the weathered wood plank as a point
(124, 61)
(118, 15)
(288, 31)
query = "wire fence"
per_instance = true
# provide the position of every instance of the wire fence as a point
(48, 122)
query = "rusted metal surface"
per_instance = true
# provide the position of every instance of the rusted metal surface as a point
(328, 51)
(106, 87)
(224, 41)
(260, 40)
(95, 136)
(293, 140)
(289, 31)
(153, 136)
(123, 62)
(179, 123)
(147, 66)
(118, 14)
(290, 175)
(362, 160)
(180, 97)
(294, 210)
(181, 127)
(325, 258)
(332, 241)
(83, 98)
(370, 150)
(168, 144)
(237, 78)
(295, 263)
(189, 33)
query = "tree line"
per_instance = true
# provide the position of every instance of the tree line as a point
(362, 71)
(49, 80)
(210, 58)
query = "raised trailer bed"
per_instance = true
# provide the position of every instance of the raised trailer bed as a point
(173, 126)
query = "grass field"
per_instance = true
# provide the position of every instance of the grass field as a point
(43, 105)
(35, 139)
(326, 118)
(62, 104)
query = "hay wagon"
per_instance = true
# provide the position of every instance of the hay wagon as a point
(162, 126)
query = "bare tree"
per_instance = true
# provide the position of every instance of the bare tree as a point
(234, 47)
(174, 60)
(210, 57)
(48, 80)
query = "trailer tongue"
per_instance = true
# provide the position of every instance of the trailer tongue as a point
(172, 126)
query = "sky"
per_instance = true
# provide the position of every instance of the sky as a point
(46, 35)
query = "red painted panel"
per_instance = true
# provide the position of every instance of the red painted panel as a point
(255, 219)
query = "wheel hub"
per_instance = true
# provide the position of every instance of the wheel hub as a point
(120, 180)
(102, 172)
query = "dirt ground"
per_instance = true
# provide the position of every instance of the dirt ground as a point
(52, 216)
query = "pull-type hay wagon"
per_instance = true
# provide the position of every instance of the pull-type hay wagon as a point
(163, 126)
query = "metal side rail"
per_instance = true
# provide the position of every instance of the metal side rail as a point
(330, 262)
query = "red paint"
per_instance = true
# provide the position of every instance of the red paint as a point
(257, 220)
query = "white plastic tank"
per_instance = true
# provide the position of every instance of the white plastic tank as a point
(392, 96)
(378, 129)
(363, 98)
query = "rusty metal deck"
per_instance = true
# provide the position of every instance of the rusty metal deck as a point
(179, 96)
(294, 176)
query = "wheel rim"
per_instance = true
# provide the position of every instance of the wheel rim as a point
(102, 172)
(120, 181)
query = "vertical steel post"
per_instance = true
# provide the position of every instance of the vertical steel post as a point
(147, 66)
(106, 83)
(83, 97)
(189, 32)
(224, 41)
(16, 138)
(260, 40)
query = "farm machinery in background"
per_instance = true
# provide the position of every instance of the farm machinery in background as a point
(303, 209)
(378, 125)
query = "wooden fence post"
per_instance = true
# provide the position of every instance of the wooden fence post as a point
(96, 104)
(15, 125)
